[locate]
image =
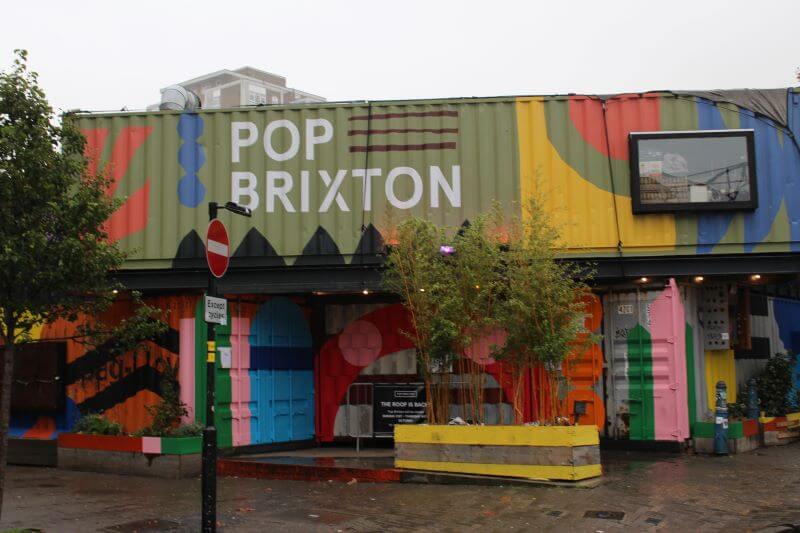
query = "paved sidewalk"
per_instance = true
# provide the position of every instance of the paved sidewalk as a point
(755, 491)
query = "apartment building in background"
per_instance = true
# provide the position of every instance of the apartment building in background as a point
(245, 86)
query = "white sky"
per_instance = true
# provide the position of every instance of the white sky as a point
(102, 55)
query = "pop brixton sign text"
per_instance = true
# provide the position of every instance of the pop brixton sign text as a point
(274, 193)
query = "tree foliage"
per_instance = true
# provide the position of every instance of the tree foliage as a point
(415, 270)
(55, 255)
(542, 308)
(497, 273)
(775, 387)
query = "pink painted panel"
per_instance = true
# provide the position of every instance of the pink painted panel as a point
(240, 381)
(669, 365)
(186, 367)
(151, 444)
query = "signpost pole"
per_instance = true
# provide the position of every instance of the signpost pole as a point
(216, 312)
(209, 481)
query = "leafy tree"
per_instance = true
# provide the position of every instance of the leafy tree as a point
(542, 308)
(495, 275)
(447, 280)
(470, 304)
(415, 269)
(774, 385)
(55, 255)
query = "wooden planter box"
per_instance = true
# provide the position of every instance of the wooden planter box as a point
(534, 452)
(173, 457)
(779, 430)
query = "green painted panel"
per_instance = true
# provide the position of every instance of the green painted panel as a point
(640, 381)
(705, 430)
(181, 445)
(690, 374)
(222, 418)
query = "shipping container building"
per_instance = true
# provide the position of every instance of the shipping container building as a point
(686, 203)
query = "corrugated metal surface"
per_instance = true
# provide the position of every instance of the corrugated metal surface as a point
(645, 347)
(338, 316)
(585, 372)
(121, 386)
(695, 355)
(627, 412)
(171, 165)
(309, 175)
(720, 366)
(774, 329)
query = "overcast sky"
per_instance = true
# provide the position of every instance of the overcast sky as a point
(103, 55)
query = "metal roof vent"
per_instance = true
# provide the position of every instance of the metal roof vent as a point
(178, 98)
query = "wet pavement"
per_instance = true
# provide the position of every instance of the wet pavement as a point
(750, 492)
(369, 458)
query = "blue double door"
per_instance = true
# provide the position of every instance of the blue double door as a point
(281, 374)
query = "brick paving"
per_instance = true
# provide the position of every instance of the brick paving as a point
(758, 491)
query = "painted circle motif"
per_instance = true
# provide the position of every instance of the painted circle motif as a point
(360, 343)
(482, 348)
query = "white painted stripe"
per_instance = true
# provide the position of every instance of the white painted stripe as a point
(216, 247)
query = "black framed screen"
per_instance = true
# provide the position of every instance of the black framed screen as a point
(692, 171)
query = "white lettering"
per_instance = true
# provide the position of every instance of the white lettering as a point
(333, 191)
(238, 189)
(453, 192)
(294, 142)
(415, 196)
(237, 142)
(273, 191)
(366, 176)
(312, 139)
(304, 174)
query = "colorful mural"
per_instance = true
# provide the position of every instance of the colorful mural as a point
(329, 181)
(271, 387)
(265, 388)
(100, 380)
(646, 352)
(370, 348)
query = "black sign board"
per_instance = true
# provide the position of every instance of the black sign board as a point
(397, 404)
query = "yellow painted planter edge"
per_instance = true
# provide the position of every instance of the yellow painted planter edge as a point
(497, 435)
(544, 472)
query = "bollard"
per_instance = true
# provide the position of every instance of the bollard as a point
(721, 420)
(752, 399)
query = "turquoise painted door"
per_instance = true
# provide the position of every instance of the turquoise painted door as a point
(281, 374)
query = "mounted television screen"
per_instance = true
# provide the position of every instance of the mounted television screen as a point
(692, 171)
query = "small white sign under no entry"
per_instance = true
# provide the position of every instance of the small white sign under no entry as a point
(216, 310)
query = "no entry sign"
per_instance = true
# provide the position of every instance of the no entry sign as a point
(217, 248)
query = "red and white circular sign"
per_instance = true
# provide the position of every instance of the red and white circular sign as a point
(217, 248)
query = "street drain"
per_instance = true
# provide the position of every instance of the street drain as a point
(607, 515)
(148, 524)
